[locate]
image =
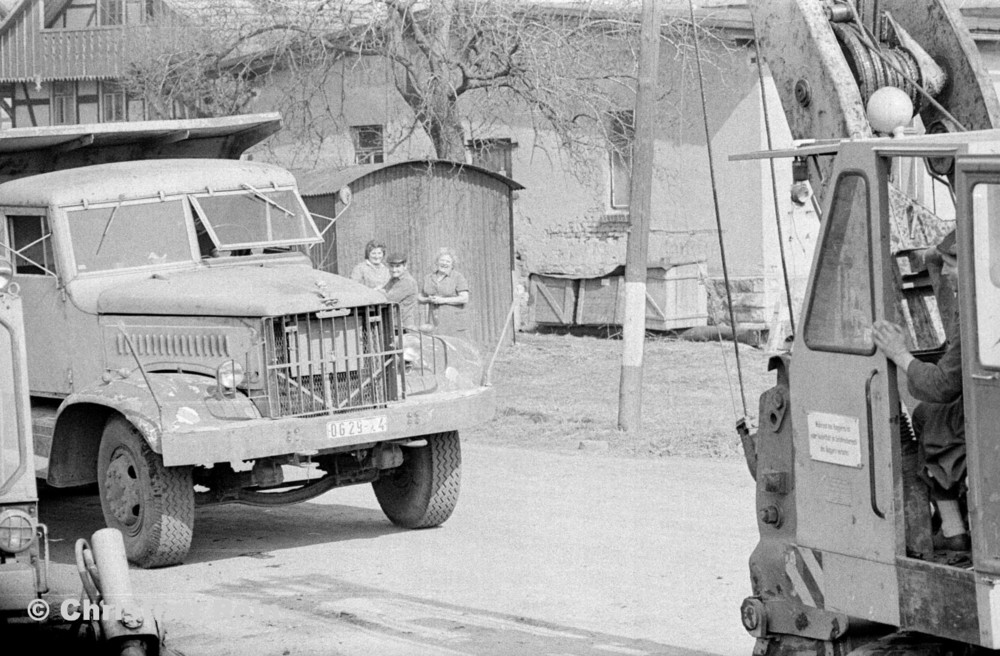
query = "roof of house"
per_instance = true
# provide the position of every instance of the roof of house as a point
(94, 54)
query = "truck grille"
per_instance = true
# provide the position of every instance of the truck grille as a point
(332, 361)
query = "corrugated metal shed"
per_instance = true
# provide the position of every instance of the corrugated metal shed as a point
(417, 207)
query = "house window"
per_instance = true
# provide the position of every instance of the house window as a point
(6, 106)
(368, 144)
(138, 11)
(621, 134)
(124, 12)
(63, 103)
(493, 154)
(111, 12)
(112, 103)
(31, 243)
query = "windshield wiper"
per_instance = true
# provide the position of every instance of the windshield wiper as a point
(263, 197)
(107, 226)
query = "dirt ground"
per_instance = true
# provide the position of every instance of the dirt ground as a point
(547, 554)
(556, 391)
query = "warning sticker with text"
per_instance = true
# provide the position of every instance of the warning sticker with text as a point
(834, 439)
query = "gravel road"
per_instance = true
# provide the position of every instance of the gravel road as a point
(546, 554)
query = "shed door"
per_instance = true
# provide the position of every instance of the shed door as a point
(840, 385)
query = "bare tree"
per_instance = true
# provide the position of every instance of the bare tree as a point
(461, 66)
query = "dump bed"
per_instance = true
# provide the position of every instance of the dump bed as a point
(29, 151)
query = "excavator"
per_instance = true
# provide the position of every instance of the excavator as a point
(895, 122)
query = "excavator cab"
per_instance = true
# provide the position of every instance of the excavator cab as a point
(845, 562)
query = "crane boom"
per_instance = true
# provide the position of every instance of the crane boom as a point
(827, 58)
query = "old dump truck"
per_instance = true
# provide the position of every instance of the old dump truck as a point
(182, 350)
(25, 591)
(845, 563)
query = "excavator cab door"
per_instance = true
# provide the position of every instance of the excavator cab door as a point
(978, 185)
(845, 401)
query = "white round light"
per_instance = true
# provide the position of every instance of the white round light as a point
(889, 108)
(801, 193)
(229, 374)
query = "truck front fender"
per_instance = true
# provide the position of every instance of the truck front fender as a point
(169, 402)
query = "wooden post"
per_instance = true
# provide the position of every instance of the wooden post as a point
(640, 201)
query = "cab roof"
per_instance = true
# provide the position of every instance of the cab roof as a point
(140, 179)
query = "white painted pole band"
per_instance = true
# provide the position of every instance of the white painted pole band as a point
(635, 314)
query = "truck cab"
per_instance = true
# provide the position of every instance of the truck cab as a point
(182, 350)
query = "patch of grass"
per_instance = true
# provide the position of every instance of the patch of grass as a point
(555, 391)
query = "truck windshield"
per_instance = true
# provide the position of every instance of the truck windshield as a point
(119, 236)
(254, 218)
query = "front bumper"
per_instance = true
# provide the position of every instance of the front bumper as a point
(249, 439)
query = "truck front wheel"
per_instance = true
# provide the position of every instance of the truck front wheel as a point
(423, 491)
(152, 505)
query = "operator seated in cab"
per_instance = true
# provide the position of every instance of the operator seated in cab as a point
(939, 418)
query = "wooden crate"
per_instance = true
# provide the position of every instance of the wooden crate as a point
(675, 298)
(553, 300)
(600, 301)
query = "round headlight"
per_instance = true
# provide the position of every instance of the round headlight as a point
(229, 374)
(17, 531)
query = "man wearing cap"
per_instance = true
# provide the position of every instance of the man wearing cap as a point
(402, 289)
(939, 418)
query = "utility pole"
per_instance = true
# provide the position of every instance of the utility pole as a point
(640, 201)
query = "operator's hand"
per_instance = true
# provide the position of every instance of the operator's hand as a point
(891, 339)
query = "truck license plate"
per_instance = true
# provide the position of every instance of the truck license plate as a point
(353, 427)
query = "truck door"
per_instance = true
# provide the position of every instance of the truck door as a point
(30, 240)
(843, 396)
(978, 184)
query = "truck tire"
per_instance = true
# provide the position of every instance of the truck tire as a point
(152, 505)
(423, 491)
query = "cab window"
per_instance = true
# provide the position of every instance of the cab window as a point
(254, 218)
(841, 309)
(30, 245)
(985, 205)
